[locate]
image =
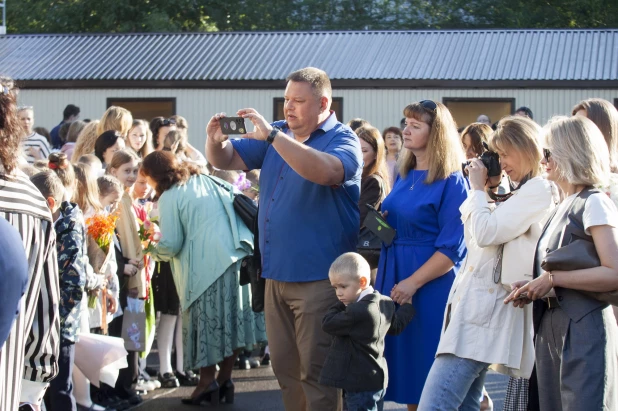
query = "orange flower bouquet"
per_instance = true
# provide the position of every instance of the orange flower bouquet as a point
(100, 244)
(101, 228)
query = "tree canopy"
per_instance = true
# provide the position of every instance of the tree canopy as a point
(123, 16)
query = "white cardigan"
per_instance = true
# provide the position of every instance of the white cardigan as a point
(481, 326)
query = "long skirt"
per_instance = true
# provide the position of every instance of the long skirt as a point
(219, 322)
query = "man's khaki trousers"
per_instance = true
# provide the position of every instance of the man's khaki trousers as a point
(298, 346)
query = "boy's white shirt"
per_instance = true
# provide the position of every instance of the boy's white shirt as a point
(365, 292)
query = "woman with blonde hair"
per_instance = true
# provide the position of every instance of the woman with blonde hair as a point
(478, 329)
(116, 118)
(140, 138)
(85, 141)
(576, 354)
(86, 196)
(605, 116)
(428, 248)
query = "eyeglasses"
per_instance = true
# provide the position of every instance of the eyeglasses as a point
(546, 154)
(429, 105)
(168, 122)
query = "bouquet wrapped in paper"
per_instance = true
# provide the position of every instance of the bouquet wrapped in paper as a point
(100, 245)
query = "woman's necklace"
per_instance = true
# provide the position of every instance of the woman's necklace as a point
(417, 180)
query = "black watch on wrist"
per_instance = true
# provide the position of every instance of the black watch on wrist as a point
(272, 135)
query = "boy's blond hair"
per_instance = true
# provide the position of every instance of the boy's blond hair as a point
(351, 265)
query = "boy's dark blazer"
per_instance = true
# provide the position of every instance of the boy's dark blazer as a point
(355, 361)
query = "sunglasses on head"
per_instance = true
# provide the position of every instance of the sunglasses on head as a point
(546, 154)
(429, 105)
(168, 122)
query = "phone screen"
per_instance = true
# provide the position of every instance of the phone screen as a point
(233, 125)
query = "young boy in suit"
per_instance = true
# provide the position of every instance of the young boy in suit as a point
(359, 322)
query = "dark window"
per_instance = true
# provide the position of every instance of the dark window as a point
(146, 108)
(466, 110)
(336, 106)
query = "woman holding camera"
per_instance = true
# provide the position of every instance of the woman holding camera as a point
(479, 330)
(428, 248)
(576, 340)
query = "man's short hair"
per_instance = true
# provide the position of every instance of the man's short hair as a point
(526, 111)
(318, 79)
(70, 110)
(351, 265)
(49, 185)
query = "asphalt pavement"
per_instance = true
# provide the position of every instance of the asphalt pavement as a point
(258, 390)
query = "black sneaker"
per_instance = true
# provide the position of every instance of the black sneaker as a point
(168, 380)
(266, 359)
(135, 399)
(187, 379)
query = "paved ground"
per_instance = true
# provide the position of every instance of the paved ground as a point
(257, 390)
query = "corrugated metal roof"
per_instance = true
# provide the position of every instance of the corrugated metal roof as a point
(554, 55)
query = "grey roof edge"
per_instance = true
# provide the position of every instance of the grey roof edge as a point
(356, 32)
(337, 84)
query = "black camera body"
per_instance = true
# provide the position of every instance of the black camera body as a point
(491, 161)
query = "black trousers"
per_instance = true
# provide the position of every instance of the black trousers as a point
(128, 375)
(59, 394)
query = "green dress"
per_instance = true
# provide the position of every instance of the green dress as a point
(205, 242)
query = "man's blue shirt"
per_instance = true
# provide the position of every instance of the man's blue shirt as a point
(55, 136)
(305, 226)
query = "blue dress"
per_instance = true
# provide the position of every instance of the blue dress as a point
(427, 219)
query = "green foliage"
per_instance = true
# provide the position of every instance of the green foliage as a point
(121, 16)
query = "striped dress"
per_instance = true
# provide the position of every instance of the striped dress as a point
(29, 357)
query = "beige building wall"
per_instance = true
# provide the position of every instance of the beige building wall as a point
(381, 107)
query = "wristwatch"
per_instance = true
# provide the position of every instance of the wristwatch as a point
(272, 135)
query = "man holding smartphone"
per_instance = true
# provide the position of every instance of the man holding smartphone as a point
(309, 190)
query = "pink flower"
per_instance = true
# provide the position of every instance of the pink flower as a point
(156, 237)
(242, 183)
(147, 225)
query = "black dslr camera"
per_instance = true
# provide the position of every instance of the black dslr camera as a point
(490, 160)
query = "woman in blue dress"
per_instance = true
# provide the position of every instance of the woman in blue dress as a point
(423, 259)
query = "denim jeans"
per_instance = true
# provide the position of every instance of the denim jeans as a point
(365, 400)
(59, 395)
(453, 383)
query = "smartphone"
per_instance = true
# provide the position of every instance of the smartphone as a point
(378, 225)
(233, 125)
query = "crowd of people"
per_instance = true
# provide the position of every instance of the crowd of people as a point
(504, 256)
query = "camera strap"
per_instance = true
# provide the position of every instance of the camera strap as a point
(500, 198)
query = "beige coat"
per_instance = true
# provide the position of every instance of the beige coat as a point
(127, 227)
(481, 326)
